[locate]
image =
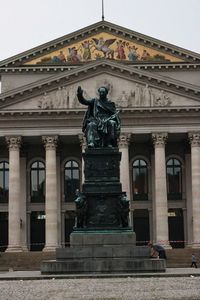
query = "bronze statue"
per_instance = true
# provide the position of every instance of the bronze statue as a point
(81, 210)
(101, 124)
(123, 208)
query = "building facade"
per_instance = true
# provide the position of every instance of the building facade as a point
(156, 87)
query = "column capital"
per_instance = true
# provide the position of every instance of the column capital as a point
(50, 141)
(82, 140)
(159, 139)
(124, 139)
(194, 138)
(13, 142)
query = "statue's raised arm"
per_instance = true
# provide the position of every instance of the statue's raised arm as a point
(101, 124)
(80, 97)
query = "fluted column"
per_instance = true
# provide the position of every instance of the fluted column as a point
(51, 207)
(123, 144)
(160, 202)
(23, 203)
(83, 144)
(14, 235)
(194, 138)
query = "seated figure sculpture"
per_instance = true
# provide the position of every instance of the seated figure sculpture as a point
(101, 124)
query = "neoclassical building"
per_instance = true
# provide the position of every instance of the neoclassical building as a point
(156, 87)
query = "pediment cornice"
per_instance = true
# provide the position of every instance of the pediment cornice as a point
(88, 31)
(62, 113)
(53, 69)
(93, 69)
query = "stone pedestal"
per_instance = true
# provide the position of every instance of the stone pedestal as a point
(103, 252)
(102, 241)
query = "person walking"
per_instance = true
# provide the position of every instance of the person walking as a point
(194, 261)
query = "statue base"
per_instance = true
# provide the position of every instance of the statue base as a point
(105, 252)
(102, 241)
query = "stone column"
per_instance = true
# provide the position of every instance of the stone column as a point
(83, 143)
(194, 138)
(59, 200)
(14, 222)
(23, 200)
(51, 207)
(123, 144)
(150, 224)
(189, 217)
(160, 201)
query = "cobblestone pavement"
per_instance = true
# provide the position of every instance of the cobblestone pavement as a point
(183, 288)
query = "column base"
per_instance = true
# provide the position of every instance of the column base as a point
(196, 245)
(165, 245)
(189, 245)
(25, 249)
(14, 249)
(50, 248)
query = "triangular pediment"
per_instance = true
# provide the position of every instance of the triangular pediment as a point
(129, 88)
(104, 45)
(99, 41)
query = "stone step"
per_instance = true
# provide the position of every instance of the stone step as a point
(176, 258)
(103, 251)
(102, 265)
(181, 258)
(23, 261)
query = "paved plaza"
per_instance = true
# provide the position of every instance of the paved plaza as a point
(174, 284)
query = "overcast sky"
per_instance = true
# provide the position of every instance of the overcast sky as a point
(25, 24)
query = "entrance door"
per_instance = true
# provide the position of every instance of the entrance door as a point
(3, 231)
(37, 230)
(141, 226)
(176, 228)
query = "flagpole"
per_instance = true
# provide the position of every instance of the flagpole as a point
(102, 10)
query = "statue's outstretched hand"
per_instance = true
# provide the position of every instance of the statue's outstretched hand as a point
(79, 91)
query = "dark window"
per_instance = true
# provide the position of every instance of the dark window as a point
(4, 181)
(71, 180)
(37, 182)
(174, 182)
(140, 180)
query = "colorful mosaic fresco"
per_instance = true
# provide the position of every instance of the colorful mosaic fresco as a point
(103, 45)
